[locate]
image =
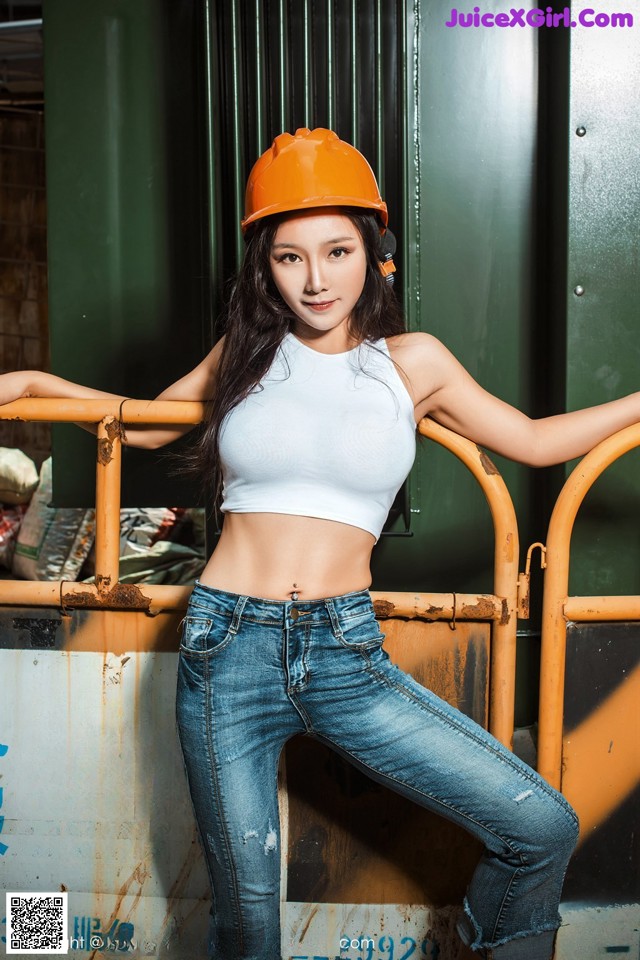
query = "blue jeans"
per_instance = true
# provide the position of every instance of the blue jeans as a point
(253, 673)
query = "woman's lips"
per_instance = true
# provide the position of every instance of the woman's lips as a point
(319, 307)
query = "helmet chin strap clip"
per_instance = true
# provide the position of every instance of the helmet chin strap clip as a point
(385, 253)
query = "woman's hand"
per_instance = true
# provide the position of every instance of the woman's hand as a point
(443, 389)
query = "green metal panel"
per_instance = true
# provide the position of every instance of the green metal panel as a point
(471, 138)
(472, 134)
(603, 343)
(124, 202)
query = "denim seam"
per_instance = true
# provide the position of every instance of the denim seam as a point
(306, 652)
(210, 652)
(506, 901)
(297, 706)
(303, 713)
(204, 613)
(479, 944)
(218, 792)
(554, 795)
(461, 813)
(214, 593)
(193, 807)
(361, 646)
(245, 617)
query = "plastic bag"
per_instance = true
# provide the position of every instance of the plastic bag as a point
(18, 476)
(53, 543)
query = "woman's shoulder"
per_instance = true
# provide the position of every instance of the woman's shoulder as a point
(424, 361)
(415, 345)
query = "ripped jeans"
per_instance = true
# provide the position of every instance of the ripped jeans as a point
(253, 673)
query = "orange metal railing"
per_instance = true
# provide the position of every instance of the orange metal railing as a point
(558, 608)
(112, 417)
(505, 575)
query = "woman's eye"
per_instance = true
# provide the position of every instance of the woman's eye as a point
(339, 253)
(288, 258)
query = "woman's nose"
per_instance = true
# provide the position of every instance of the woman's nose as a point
(315, 277)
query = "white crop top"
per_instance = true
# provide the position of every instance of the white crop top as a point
(318, 437)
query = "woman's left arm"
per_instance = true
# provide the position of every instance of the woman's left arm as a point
(452, 397)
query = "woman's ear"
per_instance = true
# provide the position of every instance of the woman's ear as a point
(386, 250)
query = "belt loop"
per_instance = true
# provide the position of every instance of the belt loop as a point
(333, 616)
(237, 614)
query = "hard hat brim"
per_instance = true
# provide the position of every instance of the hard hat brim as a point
(310, 202)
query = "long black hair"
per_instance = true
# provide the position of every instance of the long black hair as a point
(257, 318)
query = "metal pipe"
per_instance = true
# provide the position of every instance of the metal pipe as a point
(355, 95)
(588, 609)
(259, 68)
(93, 411)
(154, 597)
(238, 110)
(307, 65)
(506, 556)
(212, 173)
(65, 594)
(283, 86)
(331, 58)
(555, 602)
(108, 474)
(379, 97)
(439, 606)
(20, 26)
(411, 211)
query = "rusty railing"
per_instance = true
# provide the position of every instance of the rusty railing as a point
(558, 607)
(111, 416)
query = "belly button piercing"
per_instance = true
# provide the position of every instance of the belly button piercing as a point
(294, 592)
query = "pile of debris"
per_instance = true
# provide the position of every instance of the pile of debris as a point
(41, 542)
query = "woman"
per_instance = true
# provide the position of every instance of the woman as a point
(316, 391)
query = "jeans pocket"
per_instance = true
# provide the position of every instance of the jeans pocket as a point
(203, 636)
(361, 632)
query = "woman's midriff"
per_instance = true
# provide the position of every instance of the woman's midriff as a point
(282, 557)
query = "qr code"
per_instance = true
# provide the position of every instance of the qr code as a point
(37, 923)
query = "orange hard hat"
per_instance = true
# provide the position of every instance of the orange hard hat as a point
(313, 168)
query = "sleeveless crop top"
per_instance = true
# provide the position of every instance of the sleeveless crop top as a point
(322, 435)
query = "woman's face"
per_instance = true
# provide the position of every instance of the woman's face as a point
(319, 266)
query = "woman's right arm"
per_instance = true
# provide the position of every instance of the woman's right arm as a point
(197, 385)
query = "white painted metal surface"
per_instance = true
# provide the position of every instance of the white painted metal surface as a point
(95, 802)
